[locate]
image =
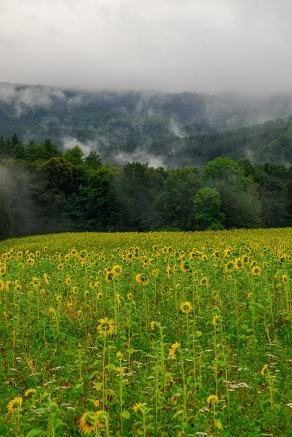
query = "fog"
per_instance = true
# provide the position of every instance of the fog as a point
(170, 45)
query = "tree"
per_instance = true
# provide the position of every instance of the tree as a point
(136, 188)
(206, 209)
(74, 155)
(58, 173)
(93, 160)
(5, 217)
(174, 203)
(237, 193)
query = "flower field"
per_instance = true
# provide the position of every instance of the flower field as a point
(159, 334)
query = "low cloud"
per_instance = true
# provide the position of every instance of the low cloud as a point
(141, 156)
(36, 96)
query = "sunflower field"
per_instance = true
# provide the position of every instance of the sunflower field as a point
(155, 334)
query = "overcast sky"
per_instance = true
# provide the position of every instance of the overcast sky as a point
(169, 45)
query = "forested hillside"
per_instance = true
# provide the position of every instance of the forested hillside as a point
(169, 130)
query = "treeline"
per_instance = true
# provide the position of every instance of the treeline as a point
(45, 190)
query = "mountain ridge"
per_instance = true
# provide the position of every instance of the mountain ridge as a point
(167, 129)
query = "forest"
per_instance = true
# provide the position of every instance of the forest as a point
(44, 189)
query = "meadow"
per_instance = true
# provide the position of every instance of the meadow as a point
(151, 334)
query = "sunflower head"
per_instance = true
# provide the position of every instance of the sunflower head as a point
(172, 350)
(106, 327)
(186, 307)
(92, 421)
(256, 271)
(15, 404)
(141, 278)
(212, 399)
(204, 282)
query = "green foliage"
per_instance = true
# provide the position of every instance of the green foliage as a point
(74, 155)
(206, 209)
(5, 218)
(76, 192)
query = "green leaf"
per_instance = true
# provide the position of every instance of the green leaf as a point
(34, 432)
(125, 414)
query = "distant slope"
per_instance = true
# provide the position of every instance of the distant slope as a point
(162, 129)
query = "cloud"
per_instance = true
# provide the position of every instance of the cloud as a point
(22, 97)
(171, 45)
(86, 147)
(176, 129)
(139, 155)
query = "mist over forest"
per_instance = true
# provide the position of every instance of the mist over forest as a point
(161, 129)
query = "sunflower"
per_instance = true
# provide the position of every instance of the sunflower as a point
(15, 404)
(141, 278)
(215, 320)
(284, 279)
(172, 350)
(168, 270)
(109, 276)
(29, 392)
(204, 282)
(129, 296)
(117, 270)
(186, 307)
(106, 327)
(18, 286)
(228, 267)
(227, 252)
(215, 254)
(185, 266)
(264, 369)
(212, 399)
(68, 280)
(30, 261)
(256, 271)
(2, 285)
(79, 313)
(92, 421)
(139, 406)
(238, 264)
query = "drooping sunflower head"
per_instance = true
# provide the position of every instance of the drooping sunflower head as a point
(29, 392)
(46, 278)
(15, 404)
(92, 421)
(284, 279)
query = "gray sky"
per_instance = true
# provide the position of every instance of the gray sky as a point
(169, 45)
